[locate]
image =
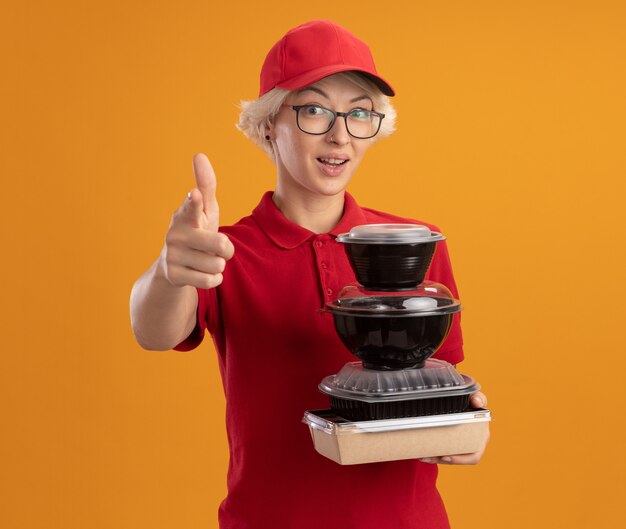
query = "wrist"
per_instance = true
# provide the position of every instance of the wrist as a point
(159, 272)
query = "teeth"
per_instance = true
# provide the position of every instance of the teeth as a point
(333, 161)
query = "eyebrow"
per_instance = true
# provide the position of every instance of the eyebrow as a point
(324, 94)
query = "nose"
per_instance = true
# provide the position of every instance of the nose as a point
(338, 133)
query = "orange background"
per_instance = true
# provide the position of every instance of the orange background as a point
(510, 138)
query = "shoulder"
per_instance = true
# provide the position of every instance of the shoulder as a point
(245, 229)
(375, 216)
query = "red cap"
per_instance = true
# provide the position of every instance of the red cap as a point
(314, 50)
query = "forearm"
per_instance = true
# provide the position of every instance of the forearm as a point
(162, 315)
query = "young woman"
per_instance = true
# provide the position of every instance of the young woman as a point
(257, 287)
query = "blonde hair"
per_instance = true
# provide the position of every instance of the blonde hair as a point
(257, 115)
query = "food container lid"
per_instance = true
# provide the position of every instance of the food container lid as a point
(327, 421)
(390, 234)
(436, 379)
(429, 298)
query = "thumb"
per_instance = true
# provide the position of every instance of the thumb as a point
(206, 183)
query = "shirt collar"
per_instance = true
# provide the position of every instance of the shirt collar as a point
(288, 235)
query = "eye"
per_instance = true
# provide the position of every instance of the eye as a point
(361, 114)
(313, 110)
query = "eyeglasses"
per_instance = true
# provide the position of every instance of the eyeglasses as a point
(316, 120)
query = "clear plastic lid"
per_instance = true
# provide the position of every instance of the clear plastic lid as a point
(330, 423)
(437, 378)
(390, 234)
(429, 298)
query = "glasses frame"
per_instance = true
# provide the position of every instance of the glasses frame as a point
(343, 115)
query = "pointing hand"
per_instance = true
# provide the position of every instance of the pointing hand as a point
(195, 253)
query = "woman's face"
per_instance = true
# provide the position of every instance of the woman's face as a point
(319, 164)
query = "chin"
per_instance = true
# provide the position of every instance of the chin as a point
(331, 189)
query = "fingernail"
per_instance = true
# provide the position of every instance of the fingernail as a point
(479, 401)
(426, 460)
(446, 459)
(189, 195)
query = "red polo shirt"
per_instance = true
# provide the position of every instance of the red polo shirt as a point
(275, 346)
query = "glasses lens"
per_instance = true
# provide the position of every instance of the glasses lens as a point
(314, 119)
(363, 123)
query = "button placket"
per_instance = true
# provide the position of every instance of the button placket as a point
(321, 248)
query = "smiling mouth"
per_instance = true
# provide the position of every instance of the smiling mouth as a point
(332, 162)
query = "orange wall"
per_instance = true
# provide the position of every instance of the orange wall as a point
(510, 138)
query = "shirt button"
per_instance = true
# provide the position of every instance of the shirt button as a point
(329, 291)
(324, 265)
(319, 244)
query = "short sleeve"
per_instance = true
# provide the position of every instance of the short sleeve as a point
(206, 317)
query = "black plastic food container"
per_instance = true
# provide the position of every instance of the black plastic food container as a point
(361, 394)
(392, 342)
(390, 256)
(394, 330)
(356, 410)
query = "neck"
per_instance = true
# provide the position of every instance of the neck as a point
(316, 213)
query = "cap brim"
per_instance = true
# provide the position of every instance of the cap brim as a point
(312, 76)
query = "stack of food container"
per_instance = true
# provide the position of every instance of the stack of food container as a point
(397, 402)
